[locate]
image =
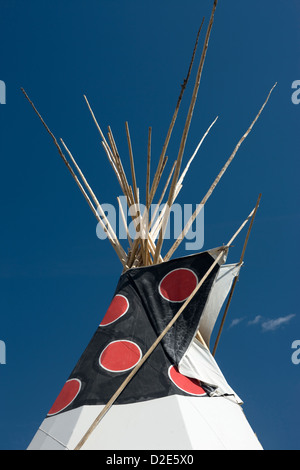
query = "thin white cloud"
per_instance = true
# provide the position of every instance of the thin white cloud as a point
(271, 325)
(235, 322)
(265, 323)
(257, 319)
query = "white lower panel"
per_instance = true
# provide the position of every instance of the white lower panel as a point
(170, 423)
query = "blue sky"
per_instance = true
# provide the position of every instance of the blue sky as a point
(129, 58)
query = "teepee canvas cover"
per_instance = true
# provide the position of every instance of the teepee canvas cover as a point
(180, 379)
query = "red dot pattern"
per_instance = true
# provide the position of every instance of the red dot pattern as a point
(178, 285)
(120, 356)
(67, 395)
(118, 307)
(188, 385)
(123, 355)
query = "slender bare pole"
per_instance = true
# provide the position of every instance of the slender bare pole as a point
(161, 197)
(112, 241)
(216, 181)
(131, 163)
(145, 218)
(174, 117)
(180, 180)
(113, 164)
(148, 168)
(136, 195)
(95, 120)
(158, 223)
(112, 154)
(160, 220)
(127, 190)
(105, 220)
(185, 132)
(236, 278)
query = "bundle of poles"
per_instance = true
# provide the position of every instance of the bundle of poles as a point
(146, 247)
(143, 250)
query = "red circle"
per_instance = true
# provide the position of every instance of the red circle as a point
(120, 356)
(118, 307)
(188, 385)
(178, 285)
(68, 394)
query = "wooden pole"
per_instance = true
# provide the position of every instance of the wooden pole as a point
(236, 278)
(159, 221)
(148, 168)
(95, 120)
(174, 117)
(112, 154)
(180, 181)
(145, 218)
(112, 161)
(112, 241)
(97, 203)
(216, 181)
(131, 164)
(185, 132)
(161, 197)
(127, 190)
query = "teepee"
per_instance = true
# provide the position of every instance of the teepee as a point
(148, 379)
